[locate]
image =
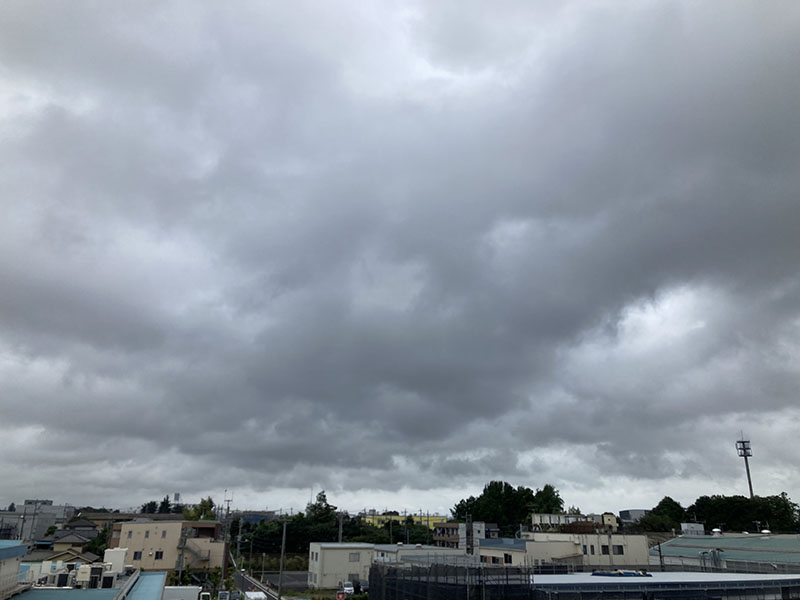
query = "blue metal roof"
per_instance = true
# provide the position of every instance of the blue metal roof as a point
(61, 594)
(148, 587)
(12, 549)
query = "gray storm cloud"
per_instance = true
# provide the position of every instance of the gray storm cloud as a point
(279, 247)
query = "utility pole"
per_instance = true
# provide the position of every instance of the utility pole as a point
(250, 557)
(280, 567)
(744, 450)
(468, 531)
(226, 535)
(341, 519)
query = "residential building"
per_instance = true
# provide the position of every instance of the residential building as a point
(573, 523)
(608, 550)
(379, 520)
(168, 545)
(331, 564)
(632, 515)
(459, 535)
(11, 551)
(549, 521)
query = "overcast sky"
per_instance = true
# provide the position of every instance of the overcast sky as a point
(397, 250)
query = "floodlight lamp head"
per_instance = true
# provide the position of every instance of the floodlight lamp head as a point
(743, 448)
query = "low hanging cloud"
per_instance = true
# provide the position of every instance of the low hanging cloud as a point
(396, 252)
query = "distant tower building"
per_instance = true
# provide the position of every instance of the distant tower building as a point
(176, 498)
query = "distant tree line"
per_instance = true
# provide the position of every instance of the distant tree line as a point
(204, 511)
(728, 513)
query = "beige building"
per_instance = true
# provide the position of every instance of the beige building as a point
(331, 564)
(168, 545)
(378, 520)
(586, 550)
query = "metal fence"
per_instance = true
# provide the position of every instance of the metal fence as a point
(448, 582)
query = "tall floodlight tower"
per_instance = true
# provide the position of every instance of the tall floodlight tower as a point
(744, 450)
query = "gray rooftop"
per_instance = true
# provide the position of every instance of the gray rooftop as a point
(753, 548)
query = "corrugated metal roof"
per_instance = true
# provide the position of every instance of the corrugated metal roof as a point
(755, 548)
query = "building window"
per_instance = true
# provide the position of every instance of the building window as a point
(130, 534)
(495, 560)
(159, 554)
(147, 533)
(355, 556)
(164, 533)
(315, 578)
(584, 548)
(604, 549)
(591, 549)
(352, 576)
(617, 549)
(506, 558)
(483, 559)
(137, 555)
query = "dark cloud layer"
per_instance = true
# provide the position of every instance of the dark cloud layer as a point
(396, 252)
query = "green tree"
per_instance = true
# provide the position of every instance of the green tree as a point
(164, 507)
(149, 507)
(12, 507)
(667, 515)
(99, 544)
(320, 511)
(509, 507)
(738, 513)
(547, 500)
(204, 511)
(215, 579)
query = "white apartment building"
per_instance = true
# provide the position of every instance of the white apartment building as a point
(330, 564)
